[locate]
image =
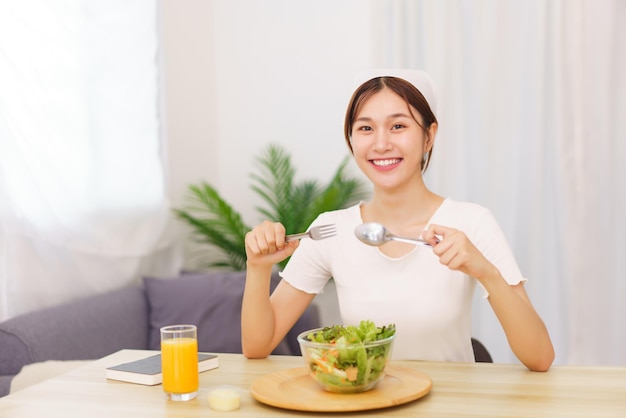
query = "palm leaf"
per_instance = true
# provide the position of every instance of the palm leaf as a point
(275, 182)
(295, 205)
(215, 222)
(340, 192)
(300, 215)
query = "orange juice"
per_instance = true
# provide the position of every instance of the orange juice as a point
(180, 365)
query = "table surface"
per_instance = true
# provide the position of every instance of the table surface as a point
(459, 389)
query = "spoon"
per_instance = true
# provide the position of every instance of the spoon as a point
(373, 233)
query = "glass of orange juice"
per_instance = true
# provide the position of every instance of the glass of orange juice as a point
(179, 361)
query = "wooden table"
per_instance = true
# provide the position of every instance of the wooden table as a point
(468, 390)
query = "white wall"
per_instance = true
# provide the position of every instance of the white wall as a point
(283, 72)
(189, 100)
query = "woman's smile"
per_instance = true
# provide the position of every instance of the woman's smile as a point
(387, 163)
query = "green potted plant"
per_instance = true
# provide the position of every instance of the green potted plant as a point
(295, 204)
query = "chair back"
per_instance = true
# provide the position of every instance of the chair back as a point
(481, 355)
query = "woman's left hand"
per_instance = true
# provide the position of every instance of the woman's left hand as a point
(457, 252)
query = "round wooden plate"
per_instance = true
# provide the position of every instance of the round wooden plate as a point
(295, 389)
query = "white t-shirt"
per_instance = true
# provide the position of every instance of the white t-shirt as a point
(429, 303)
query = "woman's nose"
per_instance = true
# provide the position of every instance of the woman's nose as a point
(382, 140)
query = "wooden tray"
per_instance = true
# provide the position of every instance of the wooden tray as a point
(295, 389)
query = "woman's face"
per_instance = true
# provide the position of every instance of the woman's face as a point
(387, 142)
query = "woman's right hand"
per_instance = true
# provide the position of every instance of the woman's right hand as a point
(266, 246)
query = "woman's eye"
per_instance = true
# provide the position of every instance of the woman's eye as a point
(365, 128)
(397, 126)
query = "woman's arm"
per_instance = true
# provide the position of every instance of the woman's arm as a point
(525, 331)
(266, 320)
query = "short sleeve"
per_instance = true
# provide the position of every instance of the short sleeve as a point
(481, 227)
(308, 268)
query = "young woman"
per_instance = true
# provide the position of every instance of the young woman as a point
(390, 128)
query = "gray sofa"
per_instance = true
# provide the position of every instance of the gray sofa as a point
(99, 325)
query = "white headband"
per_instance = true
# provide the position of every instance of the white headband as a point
(420, 79)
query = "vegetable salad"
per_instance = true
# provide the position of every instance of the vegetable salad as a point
(353, 357)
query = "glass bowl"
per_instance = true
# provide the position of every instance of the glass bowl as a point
(342, 367)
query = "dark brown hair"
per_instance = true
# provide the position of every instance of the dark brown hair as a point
(411, 95)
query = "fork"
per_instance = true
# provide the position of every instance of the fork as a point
(316, 233)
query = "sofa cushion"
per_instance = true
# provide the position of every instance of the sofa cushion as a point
(83, 329)
(211, 301)
(5, 384)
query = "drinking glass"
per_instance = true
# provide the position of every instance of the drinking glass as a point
(179, 361)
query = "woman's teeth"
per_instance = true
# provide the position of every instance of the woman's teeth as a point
(383, 163)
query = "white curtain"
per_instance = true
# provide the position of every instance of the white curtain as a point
(83, 205)
(533, 125)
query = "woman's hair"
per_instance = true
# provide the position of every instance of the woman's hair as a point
(411, 95)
